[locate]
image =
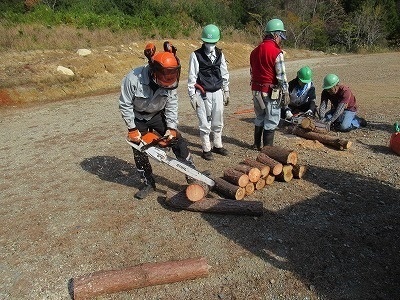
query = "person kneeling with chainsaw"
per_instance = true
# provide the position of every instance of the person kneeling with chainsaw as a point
(208, 88)
(149, 102)
(302, 95)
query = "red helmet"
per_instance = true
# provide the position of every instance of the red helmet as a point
(165, 69)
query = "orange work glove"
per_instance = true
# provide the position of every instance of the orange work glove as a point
(171, 134)
(134, 136)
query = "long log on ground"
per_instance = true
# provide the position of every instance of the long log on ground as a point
(236, 177)
(322, 138)
(249, 188)
(228, 189)
(275, 166)
(284, 156)
(269, 179)
(310, 124)
(286, 175)
(148, 274)
(264, 169)
(260, 184)
(197, 190)
(253, 173)
(212, 205)
(299, 171)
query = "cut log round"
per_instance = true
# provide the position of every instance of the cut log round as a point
(299, 171)
(212, 205)
(286, 175)
(197, 190)
(148, 274)
(264, 169)
(260, 184)
(276, 166)
(250, 188)
(284, 156)
(236, 177)
(269, 179)
(253, 173)
(228, 189)
(310, 124)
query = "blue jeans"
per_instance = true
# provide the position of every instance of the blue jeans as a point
(348, 120)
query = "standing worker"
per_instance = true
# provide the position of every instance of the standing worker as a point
(342, 114)
(208, 88)
(149, 102)
(268, 83)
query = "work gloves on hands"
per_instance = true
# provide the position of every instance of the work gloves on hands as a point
(309, 113)
(171, 134)
(226, 98)
(193, 101)
(134, 136)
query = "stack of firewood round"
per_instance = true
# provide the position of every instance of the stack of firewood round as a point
(272, 163)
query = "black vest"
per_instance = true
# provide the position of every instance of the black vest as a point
(209, 76)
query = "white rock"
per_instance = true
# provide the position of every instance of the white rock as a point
(65, 71)
(84, 52)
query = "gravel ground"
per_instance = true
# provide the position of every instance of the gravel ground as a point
(67, 206)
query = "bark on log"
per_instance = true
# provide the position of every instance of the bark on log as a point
(310, 124)
(253, 173)
(148, 274)
(276, 166)
(259, 184)
(236, 177)
(212, 205)
(228, 189)
(264, 169)
(269, 179)
(299, 171)
(284, 156)
(249, 188)
(286, 175)
(322, 138)
(197, 190)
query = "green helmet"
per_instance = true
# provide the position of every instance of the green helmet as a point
(210, 34)
(330, 80)
(274, 25)
(304, 74)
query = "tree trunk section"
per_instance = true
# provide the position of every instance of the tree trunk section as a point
(236, 177)
(281, 154)
(197, 190)
(286, 175)
(269, 179)
(264, 169)
(310, 124)
(299, 171)
(212, 205)
(253, 173)
(322, 138)
(275, 166)
(148, 274)
(228, 189)
(260, 184)
(249, 188)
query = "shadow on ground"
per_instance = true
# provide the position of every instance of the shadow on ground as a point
(344, 243)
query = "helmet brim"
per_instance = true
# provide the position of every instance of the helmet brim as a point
(211, 41)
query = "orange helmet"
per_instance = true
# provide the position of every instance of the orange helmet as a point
(165, 70)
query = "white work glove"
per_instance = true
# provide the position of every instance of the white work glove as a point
(309, 113)
(288, 115)
(226, 98)
(193, 101)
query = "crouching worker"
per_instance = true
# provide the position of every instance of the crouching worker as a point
(343, 109)
(149, 102)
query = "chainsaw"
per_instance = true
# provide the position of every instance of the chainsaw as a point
(151, 143)
(308, 122)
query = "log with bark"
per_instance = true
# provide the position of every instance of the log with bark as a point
(197, 190)
(264, 169)
(260, 184)
(310, 124)
(228, 189)
(148, 274)
(269, 179)
(284, 156)
(286, 175)
(322, 138)
(249, 188)
(212, 205)
(299, 171)
(275, 166)
(253, 173)
(236, 177)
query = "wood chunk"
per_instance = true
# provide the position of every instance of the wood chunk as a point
(286, 175)
(260, 184)
(249, 188)
(275, 166)
(299, 171)
(269, 179)
(264, 169)
(253, 173)
(236, 177)
(197, 190)
(228, 189)
(281, 154)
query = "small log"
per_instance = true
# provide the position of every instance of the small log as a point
(253, 173)
(310, 124)
(197, 190)
(249, 188)
(259, 184)
(322, 138)
(148, 274)
(264, 169)
(228, 189)
(281, 154)
(269, 179)
(286, 175)
(299, 171)
(276, 166)
(236, 177)
(212, 205)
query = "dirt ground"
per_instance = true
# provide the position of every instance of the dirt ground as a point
(67, 206)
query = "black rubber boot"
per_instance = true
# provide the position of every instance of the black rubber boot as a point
(258, 131)
(149, 186)
(268, 137)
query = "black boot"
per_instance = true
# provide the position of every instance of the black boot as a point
(268, 137)
(149, 186)
(258, 131)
